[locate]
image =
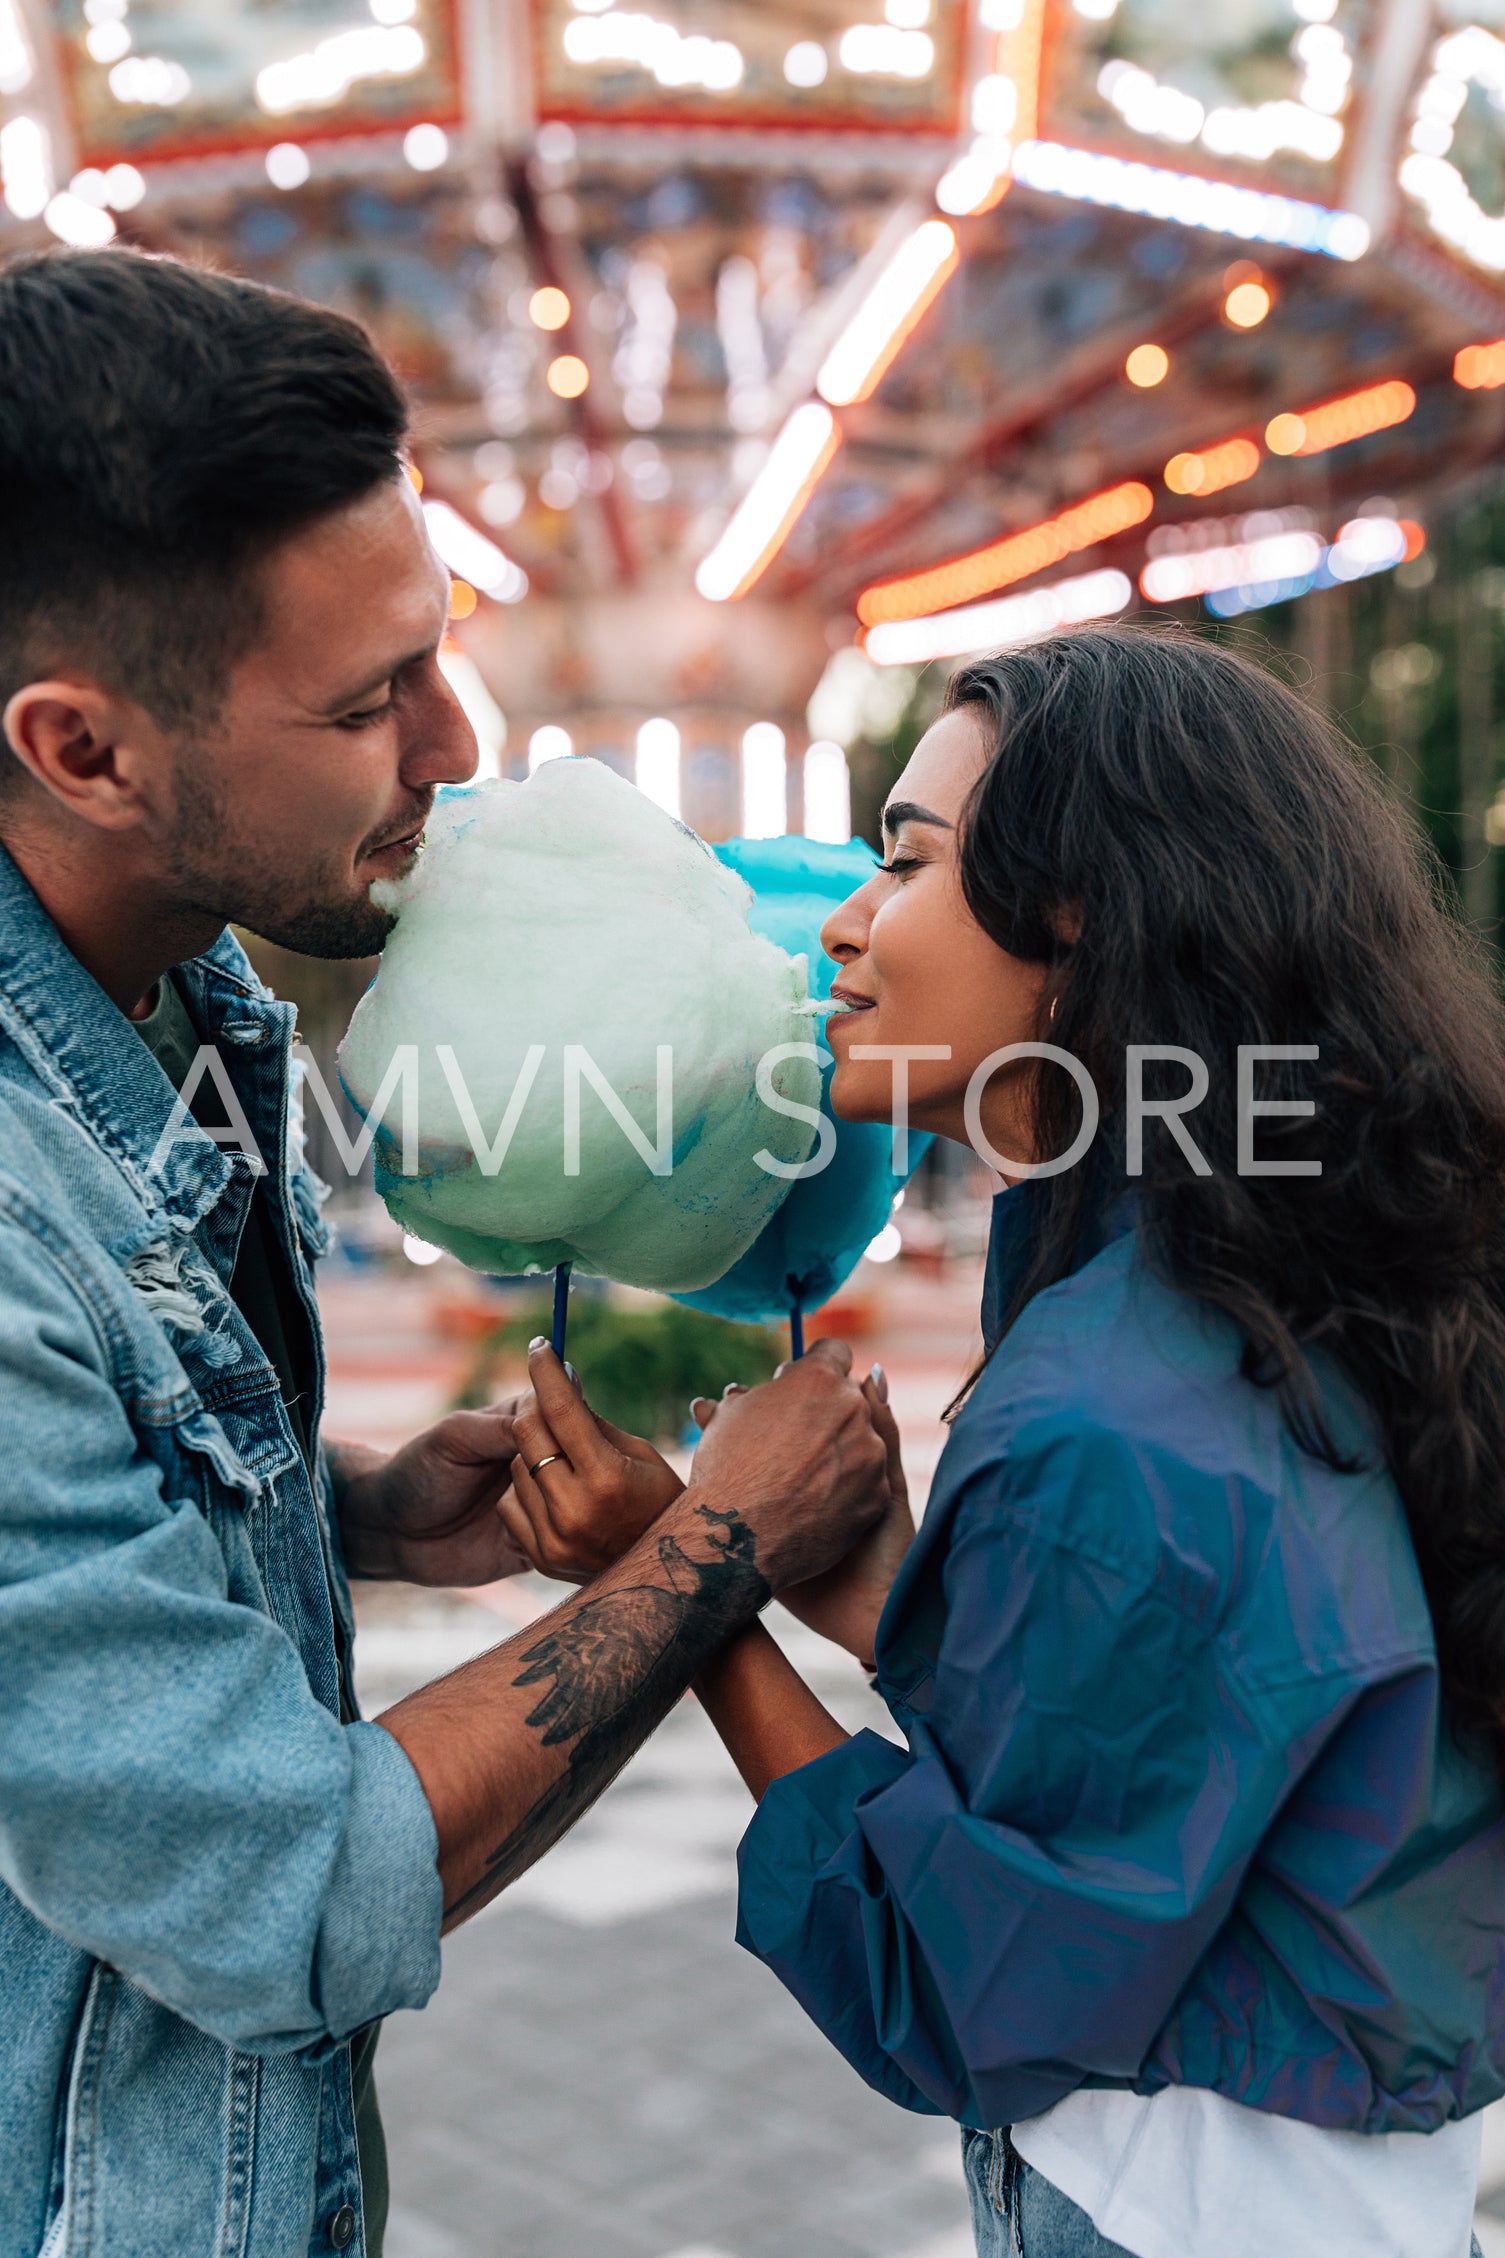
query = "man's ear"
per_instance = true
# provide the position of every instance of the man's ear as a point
(94, 752)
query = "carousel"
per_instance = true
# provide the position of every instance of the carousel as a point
(765, 352)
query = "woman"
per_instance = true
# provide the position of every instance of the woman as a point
(1188, 1893)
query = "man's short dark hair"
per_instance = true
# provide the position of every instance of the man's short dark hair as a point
(162, 428)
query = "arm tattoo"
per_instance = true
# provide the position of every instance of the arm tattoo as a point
(614, 1669)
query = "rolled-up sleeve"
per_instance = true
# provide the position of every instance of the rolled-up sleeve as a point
(173, 1797)
(1010, 1907)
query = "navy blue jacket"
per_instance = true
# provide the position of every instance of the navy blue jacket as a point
(1179, 1806)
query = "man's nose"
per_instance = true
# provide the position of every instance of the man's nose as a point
(441, 747)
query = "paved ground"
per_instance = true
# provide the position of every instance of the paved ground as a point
(602, 2073)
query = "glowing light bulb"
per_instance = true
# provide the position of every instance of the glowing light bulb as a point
(1147, 366)
(548, 308)
(425, 147)
(567, 376)
(287, 165)
(1246, 305)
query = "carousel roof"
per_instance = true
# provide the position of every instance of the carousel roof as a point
(925, 322)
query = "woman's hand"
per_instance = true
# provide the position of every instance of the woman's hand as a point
(845, 1602)
(582, 1491)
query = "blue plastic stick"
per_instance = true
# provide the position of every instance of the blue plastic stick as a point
(796, 1331)
(561, 1308)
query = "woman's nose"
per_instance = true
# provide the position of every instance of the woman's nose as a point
(845, 932)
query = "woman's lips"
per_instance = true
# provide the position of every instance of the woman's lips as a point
(849, 1001)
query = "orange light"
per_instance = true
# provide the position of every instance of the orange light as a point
(548, 308)
(462, 599)
(1479, 368)
(568, 376)
(1147, 365)
(1246, 305)
(415, 477)
(1416, 539)
(1336, 422)
(1213, 469)
(1015, 558)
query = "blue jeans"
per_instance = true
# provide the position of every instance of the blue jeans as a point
(1017, 2213)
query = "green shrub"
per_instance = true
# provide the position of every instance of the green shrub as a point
(639, 1365)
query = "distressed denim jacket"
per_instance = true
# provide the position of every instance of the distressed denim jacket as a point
(208, 1884)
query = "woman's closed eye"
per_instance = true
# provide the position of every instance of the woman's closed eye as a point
(899, 866)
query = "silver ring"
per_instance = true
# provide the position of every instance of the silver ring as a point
(553, 1454)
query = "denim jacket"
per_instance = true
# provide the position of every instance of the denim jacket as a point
(208, 1885)
(1179, 1805)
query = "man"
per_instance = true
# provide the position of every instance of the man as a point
(219, 620)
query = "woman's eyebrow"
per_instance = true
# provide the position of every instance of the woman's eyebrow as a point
(900, 812)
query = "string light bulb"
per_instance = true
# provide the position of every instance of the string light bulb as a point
(1147, 366)
(1336, 422)
(567, 377)
(1249, 296)
(548, 308)
(1212, 468)
(1479, 368)
(1017, 557)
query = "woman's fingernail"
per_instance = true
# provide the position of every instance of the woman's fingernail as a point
(729, 1390)
(572, 1375)
(880, 1382)
(539, 1341)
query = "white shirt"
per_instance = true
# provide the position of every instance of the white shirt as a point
(1187, 2174)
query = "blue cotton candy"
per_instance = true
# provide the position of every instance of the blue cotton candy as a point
(819, 1234)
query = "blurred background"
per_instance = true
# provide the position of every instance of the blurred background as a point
(767, 356)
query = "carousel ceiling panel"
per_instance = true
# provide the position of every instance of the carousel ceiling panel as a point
(1452, 161)
(151, 80)
(821, 65)
(1014, 400)
(1246, 90)
(611, 310)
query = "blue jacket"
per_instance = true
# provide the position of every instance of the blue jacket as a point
(1178, 1805)
(207, 1883)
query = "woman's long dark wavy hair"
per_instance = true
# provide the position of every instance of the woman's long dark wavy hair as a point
(1233, 873)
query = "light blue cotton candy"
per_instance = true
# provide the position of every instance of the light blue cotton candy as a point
(817, 1237)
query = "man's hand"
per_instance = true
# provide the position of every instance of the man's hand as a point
(429, 1514)
(511, 1748)
(596, 1489)
(845, 1602)
(801, 1458)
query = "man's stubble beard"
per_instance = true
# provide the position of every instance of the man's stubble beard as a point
(228, 875)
